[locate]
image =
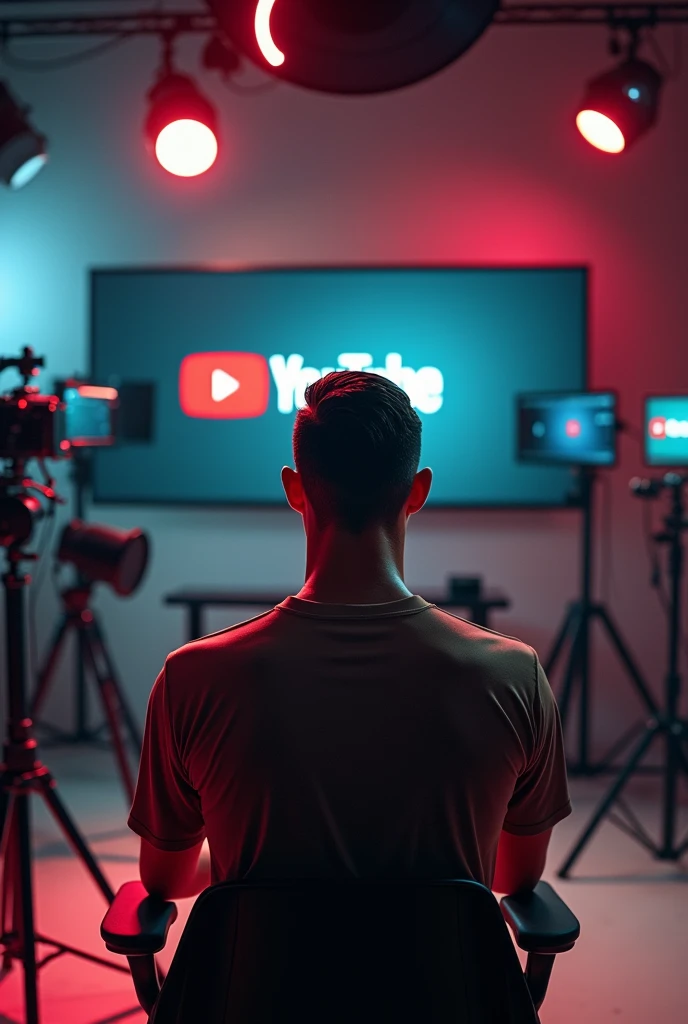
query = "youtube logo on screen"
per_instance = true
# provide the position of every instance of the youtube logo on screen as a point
(224, 385)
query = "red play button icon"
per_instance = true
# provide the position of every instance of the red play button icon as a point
(224, 385)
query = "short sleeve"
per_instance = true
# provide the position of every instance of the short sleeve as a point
(541, 797)
(166, 811)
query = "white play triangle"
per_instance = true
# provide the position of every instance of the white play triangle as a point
(222, 385)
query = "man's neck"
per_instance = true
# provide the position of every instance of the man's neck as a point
(343, 568)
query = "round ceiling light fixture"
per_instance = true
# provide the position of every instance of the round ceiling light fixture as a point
(181, 126)
(353, 46)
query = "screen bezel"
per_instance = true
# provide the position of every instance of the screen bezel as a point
(646, 398)
(571, 394)
(585, 269)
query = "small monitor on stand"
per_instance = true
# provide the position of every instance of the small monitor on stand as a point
(568, 428)
(666, 430)
(578, 429)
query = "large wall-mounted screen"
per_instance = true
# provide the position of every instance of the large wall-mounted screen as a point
(228, 354)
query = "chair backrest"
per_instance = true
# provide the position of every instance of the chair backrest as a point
(345, 953)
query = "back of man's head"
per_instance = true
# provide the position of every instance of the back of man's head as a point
(356, 448)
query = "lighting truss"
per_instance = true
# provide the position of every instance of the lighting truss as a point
(14, 25)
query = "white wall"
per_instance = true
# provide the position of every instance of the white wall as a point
(479, 164)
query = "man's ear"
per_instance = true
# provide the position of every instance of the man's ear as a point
(419, 491)
(293, 488)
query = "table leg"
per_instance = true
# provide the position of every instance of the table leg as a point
(195, 621)
(479, 614)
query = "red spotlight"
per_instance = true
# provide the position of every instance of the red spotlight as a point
(181, 127)
(620, 106)
(600, 131)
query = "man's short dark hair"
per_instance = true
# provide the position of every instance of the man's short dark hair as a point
(357, 448)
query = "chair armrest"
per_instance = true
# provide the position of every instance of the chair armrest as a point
(137, 923)
(540, 920)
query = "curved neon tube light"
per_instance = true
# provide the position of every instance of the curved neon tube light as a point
(270, 51)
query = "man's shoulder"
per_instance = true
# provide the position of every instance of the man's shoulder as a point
(224, 641)
(495, 652)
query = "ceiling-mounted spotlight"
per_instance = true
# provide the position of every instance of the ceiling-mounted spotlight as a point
(620, 105)
(353, 46)
(181, 126)
(22, 148)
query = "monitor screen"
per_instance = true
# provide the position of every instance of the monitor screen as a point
(666, 430)
(570, 429)
(88, 414)
(229, 354)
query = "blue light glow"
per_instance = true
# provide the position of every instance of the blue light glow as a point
(28, 170)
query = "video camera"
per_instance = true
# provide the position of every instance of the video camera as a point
(36, 426)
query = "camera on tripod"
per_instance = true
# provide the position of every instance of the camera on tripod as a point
(39, 427)
(36, 426)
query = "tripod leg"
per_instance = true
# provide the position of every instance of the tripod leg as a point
(46, 673)
(674, 740)
(7, 883)
(109, 698)
(127, 714)
(635, 675)
(28, 936)
(4, 813)
(74, 836)
(627, 660)
(635, 759)
(81, 693)
(557, 647)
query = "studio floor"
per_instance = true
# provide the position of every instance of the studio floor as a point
(629, 967)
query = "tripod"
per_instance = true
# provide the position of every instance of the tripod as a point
(575, 630)
(22, 774)
(80, 619)
(665, 724)
(91, 654)
(79, 476)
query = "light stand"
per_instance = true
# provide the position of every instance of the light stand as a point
(93, 658)
(82, 732)
(575, 632)
(21, 775)
(665, 723)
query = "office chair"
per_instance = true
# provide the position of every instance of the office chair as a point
(359, 952)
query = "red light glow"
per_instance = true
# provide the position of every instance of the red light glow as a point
(186, 148)
(270, 51)
(93, 391)
(22, 403)
(573, 428)
(600, 131)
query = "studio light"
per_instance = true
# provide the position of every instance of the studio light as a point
(105, 554)
(620, 106)
(22, 148)
(181, 126)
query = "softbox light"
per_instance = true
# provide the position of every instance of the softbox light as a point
(353, 46)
